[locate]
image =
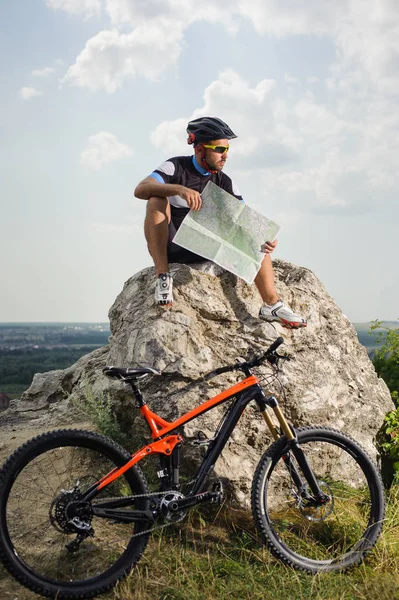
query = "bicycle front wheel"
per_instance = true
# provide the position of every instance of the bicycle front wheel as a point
(303, 533)
(41, 485)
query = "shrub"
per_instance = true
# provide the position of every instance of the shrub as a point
(98, 408)
(386, 363)
(386, 358)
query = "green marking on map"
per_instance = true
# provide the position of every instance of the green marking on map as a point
(228, 232)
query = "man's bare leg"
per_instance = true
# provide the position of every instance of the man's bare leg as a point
(274, 309)
(264, 281)
(156, 232)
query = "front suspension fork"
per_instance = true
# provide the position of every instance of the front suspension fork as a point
(289, 433)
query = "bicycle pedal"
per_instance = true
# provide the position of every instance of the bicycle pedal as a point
(217, 492)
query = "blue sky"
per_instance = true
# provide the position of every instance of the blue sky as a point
(94, 94)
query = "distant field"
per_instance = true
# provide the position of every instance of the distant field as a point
(29, 348)
(17, 335)
(18, 366)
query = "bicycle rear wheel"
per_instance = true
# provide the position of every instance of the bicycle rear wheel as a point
(38, 486)
(311, 537)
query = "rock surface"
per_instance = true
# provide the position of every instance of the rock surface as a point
(331, 380)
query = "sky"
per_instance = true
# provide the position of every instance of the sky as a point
(95, 94)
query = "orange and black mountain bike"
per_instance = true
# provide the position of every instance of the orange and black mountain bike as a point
(76, 511)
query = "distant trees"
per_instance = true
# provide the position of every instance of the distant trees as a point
(386, 363)
(386, 357)
(19, 366)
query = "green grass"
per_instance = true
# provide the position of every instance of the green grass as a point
(221, 558)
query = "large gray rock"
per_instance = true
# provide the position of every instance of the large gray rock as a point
(331, 380)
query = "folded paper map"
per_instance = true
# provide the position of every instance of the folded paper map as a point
(228, 232)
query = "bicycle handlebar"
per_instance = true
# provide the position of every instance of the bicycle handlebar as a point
(219, 371)
(275, 345)
(270, 355)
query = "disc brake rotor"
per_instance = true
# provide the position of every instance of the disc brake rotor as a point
(317, 512)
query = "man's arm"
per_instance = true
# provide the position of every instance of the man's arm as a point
(149, 187)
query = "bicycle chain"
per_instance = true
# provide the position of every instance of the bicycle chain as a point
(149, 495)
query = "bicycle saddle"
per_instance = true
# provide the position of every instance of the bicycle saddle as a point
(129, 373)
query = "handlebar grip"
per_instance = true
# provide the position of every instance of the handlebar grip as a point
(275, 345)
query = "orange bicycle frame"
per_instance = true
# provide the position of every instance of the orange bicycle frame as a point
(159, 428)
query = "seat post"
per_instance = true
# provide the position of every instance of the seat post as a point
(137, 394)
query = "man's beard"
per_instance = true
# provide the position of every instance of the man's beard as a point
(216, 165)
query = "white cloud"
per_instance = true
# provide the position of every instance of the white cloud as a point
(133, 12)
(180, 12)
(300, 151)
(366, 36)
(280, 19)
(169, 135)
(43, 72)
(367, 41)
(338, 149)
(149, 50)
(221, 98)
(103, 148)
(27, 93)
(110, 57)
(88, 8)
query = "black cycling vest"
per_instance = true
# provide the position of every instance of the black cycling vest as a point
(182, 170)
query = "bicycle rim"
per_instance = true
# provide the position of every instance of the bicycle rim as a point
(39, 482)
(310, 537)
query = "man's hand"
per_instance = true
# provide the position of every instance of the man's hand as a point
(268, 247)
(192, 197)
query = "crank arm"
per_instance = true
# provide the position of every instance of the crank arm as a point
(184, 503)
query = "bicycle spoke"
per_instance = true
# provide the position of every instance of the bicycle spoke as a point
(32, 508)
(316, 532)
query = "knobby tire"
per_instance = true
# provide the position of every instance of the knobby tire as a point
(333, 537)
(34, 532)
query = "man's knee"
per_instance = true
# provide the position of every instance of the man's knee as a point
(156, 204)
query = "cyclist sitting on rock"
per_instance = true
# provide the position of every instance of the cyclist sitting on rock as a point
(174, 188)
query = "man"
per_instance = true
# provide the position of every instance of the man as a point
(174, 188)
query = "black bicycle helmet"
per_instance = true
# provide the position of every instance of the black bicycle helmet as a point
(206, 129)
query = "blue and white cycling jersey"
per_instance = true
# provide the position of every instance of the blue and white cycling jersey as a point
(184, 170)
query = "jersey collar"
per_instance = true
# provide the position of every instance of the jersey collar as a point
(199, 168)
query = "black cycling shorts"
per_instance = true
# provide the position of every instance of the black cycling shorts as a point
(178, 254)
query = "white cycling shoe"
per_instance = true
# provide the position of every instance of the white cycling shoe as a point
(164, 289)
(281, 313)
